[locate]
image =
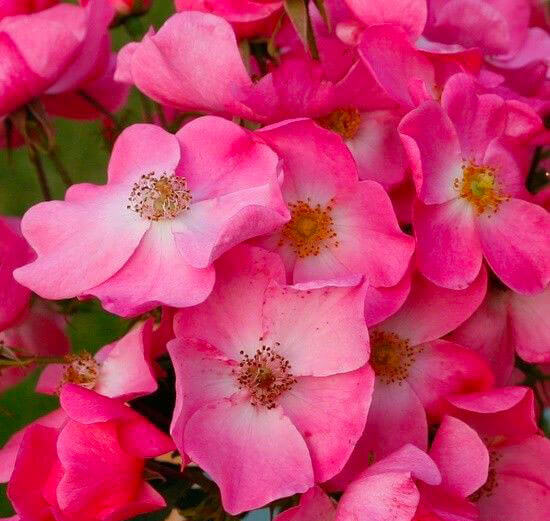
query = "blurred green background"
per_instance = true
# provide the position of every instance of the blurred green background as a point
(84, 153)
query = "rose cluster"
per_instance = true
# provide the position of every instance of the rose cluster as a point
(329, 238)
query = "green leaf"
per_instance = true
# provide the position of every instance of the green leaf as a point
(297, 11)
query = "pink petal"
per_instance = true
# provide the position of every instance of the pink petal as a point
(516, 498)
(377, 148)
(528, 459)
(416, 320)
(235, 443)
(314, 505)
(507, 411)
(460, 476)
(381, 303)
(203, 375)
(234, 181)
(498, 27)
(177, 65)
(345, 398)
(441, 369)
(486, 332)
(8, 453)
(50, 379)
(156, 274)
(296, 88)
(317, 164)
(147, 500)
(98, 475)
(93, 43)
(409, 14)
(231, 318)
(434, 153)
(408, 458)
(126, 372)
(14, 252)
(448, 247)
(370, 241)
(309, 323)
(477, 119)
(31, 472)
(96, 239)
(141, 149)
(522, 121)
(514, 242)
(31, 65)
(394, 62)
(509, 171)
(395, 410)
(392, 495)
(85, 406)
(528, 326)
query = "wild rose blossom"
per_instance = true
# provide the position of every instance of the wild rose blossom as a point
(469, 191)
(260, 381)
(170, 209)
(73, 54)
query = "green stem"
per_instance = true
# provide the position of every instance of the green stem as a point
(147, 109)
(40, 173)
(23, 362)
(98, 106)
(60, 167)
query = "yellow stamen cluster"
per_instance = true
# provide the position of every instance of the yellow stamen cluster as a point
(480, 188)
(81, 369)
(345, 122)
(309, 229)
(265, 375)
(158, 198)
(391, 356)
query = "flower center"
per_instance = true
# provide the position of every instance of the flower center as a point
(479, 187)
(489, 486)
(391, 356)
(265, 375)
(158, 198)
(309, 228)
(345, 122)
(81, 369)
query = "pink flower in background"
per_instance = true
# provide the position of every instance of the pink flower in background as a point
(15, 7)
(408, 14)
(258, 375)
(73, 48)
(498, 27)
(39, 332)
(339, 226)
(171, 206)
(506, 323)
(123, 369)
(192, 63)
(416, 370)
(388, 488)
(517, 486)
(248, 18)
(14, 252)
(99, 451)
(467, 180)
